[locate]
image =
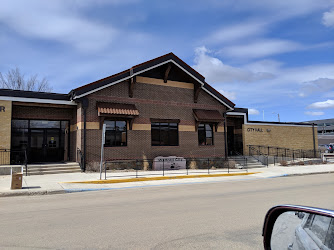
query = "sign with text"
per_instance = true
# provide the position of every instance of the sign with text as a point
(254, 130)
(2, 108)
(169, 163)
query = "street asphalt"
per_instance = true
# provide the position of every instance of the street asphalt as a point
(207, 215)
(70, 182)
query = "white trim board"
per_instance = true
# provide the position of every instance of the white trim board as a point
(266, 124)
(221, 101)
(139, 72)
(155, 66)
(36, 100)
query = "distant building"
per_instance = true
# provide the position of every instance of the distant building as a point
(325, 129)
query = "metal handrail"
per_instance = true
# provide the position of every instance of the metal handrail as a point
(26, 161)
(264, 162)
(209, 165)
(6, 154)
(244, 165)
(286, 152)
(80, 157)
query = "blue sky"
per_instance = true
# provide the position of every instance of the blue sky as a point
(269, 56)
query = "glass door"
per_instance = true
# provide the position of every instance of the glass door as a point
(37, 145)
(53, 149)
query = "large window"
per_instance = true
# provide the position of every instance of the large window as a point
(19, 134)
(164, 134)
(205, 134)
(115, 133)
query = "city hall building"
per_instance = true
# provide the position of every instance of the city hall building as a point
(161, 107)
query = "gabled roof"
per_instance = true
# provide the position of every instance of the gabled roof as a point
(143, 67)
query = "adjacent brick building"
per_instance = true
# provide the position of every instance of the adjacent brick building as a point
(162, 107)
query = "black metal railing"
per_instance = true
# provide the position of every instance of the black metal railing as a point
(240, 159)
(80, 158)
(258, 155)
(168, 167)
(288, 152)
(278, 154)
(14, 157)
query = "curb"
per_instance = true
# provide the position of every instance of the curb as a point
(42, 192)
(158, 178)
(327, 172)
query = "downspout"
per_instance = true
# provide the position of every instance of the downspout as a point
(225, 133)
(84, 103)
(314, 153)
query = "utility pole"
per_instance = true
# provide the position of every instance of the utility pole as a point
(277, 116)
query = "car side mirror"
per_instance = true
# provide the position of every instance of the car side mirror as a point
(297, 227)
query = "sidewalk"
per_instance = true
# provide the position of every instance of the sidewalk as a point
(79, 182)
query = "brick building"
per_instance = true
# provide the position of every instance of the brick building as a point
(162, 107)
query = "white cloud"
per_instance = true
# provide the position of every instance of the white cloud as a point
(228, 94)
(260, 48)
(314, 113)
(216, 71)
(322, 105)
(318, 85)
(328, 18)
(236, 32)
(253, 112)
(283, 9)
(57, 21)
(266, 65)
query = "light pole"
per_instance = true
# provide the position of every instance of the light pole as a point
(277, 116)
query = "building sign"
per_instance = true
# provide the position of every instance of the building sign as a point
(257, 130)
(2, 108)
(169, 163)
(254, 130)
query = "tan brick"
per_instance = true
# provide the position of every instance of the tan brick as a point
(293, 137)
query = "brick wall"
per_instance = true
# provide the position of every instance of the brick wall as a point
(5, 129)
(152, 101)
(294, 137)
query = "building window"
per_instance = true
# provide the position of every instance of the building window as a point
(164, 134)
(205, 134)
(116, 133)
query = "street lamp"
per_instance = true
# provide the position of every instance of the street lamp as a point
(277, 116)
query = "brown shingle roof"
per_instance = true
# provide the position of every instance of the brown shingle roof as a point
(116, 109)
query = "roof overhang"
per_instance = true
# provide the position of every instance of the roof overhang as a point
(202, 115)
(36, 100)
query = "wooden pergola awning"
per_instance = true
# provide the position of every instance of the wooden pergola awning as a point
(122, 111)
(118, 109)
(207, 116)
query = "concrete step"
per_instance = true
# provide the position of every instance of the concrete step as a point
(53, 172)
(251, 162)
(66, 164)
(54, 168)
